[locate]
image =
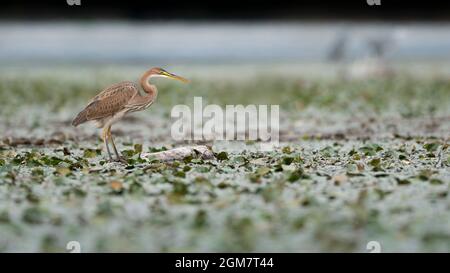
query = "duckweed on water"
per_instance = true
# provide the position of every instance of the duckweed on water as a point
(337, 181)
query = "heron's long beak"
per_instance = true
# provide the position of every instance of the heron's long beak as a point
(175, 77)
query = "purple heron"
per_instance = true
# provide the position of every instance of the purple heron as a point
(117, 100)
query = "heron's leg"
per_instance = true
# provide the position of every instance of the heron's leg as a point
(105, 140)
(119, 157)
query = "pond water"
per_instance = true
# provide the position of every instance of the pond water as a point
(206, 42)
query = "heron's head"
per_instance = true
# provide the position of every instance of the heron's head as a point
(159, 72)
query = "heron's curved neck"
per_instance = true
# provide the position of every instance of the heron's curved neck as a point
(145, 83)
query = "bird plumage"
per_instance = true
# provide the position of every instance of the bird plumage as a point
(108, 102)
(112, 103)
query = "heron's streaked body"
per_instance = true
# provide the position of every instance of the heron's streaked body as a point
(111, 104)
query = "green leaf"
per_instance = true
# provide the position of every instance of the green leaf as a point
(425, 174)
(436, 181)
(188, 159)
(262, 171)
(51, 161)
(202, 169)
(180, 188)
(288, 160)
(179, 174)
(200, 219)
(37, 172)
(128, 153)
(222, 156)
(431, 146)
(402, 182)
(375, 163)
(63, 171)
(33, 215)
(296, 175)
(137, 148)
(327, 151)
(371, 149)
(286, 150)
(154, 150)
(89, 153)
(367, 150)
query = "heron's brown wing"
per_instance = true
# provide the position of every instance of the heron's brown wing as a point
(114, 89)
(108, 102)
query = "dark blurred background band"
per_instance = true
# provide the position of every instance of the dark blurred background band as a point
(393, 10)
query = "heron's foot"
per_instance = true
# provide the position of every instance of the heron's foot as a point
(117, 160)
(120, 159)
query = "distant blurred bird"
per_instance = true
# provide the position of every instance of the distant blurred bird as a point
(338, 48)
(111, 104)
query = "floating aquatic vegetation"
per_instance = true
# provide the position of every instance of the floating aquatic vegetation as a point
(337, 181)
